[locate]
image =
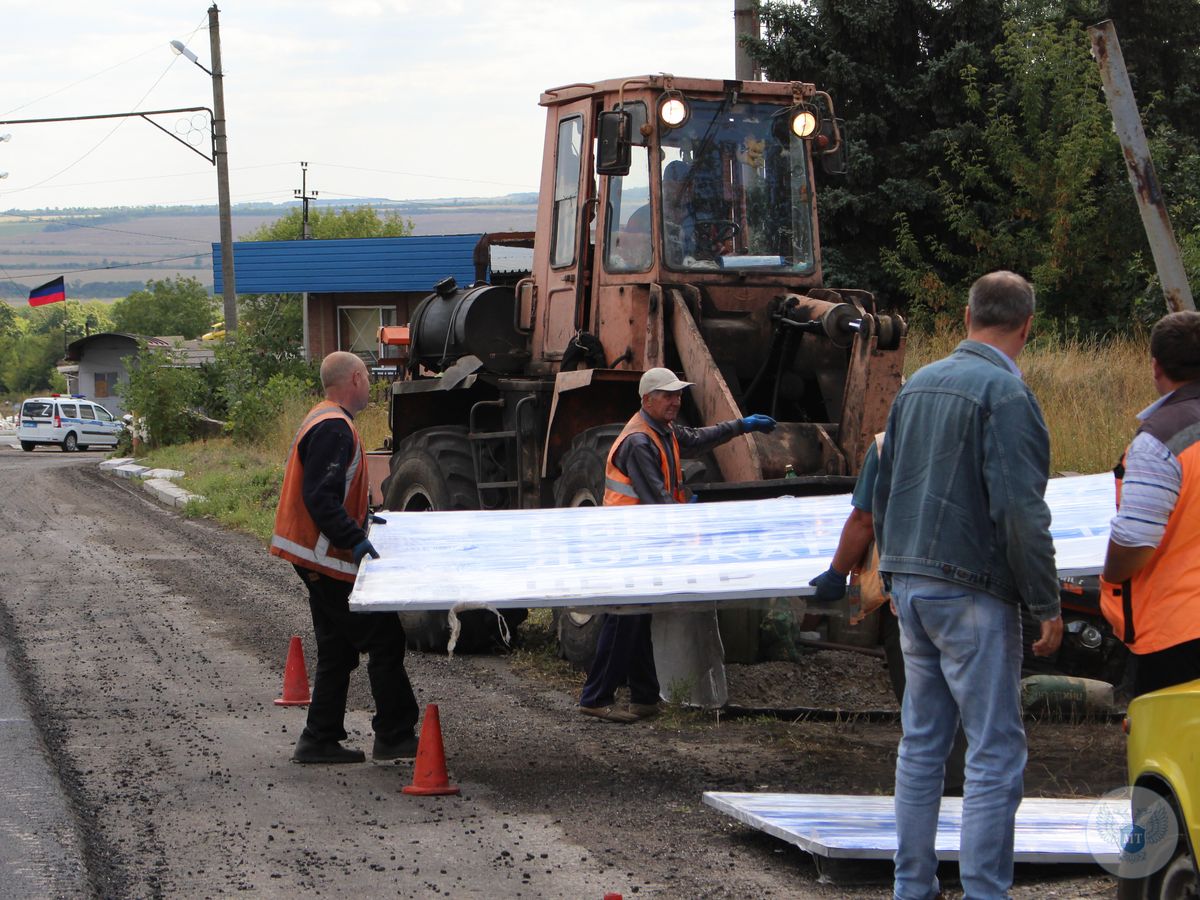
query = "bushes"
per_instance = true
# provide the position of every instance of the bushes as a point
(251, 415)
(164, 396)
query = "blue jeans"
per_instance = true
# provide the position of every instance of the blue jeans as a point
(962, 658)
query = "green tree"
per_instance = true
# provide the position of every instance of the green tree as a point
(1036, 187)
(28, 361)
(329, 224)
(70, 316)
(163, 395)
(178, 306)
(8, 320)
(962, 157)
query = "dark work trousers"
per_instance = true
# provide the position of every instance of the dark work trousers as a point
(341, 636)
(1163, 668)
(624, 654)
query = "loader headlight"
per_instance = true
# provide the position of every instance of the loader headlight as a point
(673, 109)
(805, 121)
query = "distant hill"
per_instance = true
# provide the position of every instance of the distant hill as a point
(106, 254)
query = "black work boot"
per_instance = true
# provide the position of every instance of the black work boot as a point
(309, 750)
(384, 751)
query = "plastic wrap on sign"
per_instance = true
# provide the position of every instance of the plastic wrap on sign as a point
(651, 555)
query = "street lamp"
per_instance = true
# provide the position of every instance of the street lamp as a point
(221, 158)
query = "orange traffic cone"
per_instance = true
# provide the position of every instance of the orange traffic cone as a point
(429, 769)
(295, 678)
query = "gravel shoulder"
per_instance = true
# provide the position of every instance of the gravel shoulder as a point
(152, 680)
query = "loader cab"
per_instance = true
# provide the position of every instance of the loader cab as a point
(663, 181)
(731, 181)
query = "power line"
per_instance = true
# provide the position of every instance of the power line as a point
(132, 265)
(165, 237)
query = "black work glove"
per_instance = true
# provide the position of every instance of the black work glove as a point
(830, 585)
(362, 548)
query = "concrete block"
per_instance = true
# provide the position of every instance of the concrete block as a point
(163, 473)
(131, 470)
(162, 490)
(114, 463)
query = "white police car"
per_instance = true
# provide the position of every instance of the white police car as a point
(72, 423)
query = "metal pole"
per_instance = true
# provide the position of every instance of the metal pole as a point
(303, 194)
(221, 153)
(1128, 126)
(745, 22)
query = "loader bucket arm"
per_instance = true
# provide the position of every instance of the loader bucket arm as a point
(739, 459)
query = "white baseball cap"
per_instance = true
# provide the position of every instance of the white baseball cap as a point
(660, 379)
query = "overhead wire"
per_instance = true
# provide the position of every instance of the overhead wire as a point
(103, 140)
(72, 224)
(132, 265)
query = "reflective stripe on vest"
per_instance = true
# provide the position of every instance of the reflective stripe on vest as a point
(618, 487)
(1159, 607)
(296, 537)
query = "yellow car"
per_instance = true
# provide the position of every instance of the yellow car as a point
(1163, 754)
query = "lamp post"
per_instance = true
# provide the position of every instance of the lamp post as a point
(221, 158)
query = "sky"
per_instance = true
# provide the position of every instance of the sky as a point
(397, 99)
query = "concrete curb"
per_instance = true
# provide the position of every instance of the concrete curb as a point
(156, 482)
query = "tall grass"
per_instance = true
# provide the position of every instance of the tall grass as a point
(1090, 391)
(240, 483)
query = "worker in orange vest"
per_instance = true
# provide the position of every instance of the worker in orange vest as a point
(320, 527)
(645, 466)
(1150, 587)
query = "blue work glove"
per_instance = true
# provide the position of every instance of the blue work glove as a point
(695, 498)
(362, 548)
(376, 520)
(758, 422)
(830, 585)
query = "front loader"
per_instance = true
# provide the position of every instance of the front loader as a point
(677, 227)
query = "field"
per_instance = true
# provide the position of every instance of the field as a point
(107, 254)
(1090, 392)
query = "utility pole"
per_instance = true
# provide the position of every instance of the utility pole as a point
(1152, 206)
(304, 195)
(221, 156)
(745, 22)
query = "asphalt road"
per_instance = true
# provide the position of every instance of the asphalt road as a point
(147, 650)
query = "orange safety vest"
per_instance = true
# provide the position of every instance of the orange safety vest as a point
(297, 537)
(618, 487)
(1159, 606)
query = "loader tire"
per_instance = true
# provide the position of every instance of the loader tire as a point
(432, 471)
(582, 484)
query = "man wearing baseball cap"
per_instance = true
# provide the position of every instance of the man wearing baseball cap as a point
(645, 466)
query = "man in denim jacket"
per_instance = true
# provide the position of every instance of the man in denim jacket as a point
(964, 533)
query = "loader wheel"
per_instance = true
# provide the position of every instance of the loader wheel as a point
(432, 471)
(582, 484)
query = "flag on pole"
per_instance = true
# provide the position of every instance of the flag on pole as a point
(50, 292)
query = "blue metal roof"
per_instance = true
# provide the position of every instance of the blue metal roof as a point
(353, 265)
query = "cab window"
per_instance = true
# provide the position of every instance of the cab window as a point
(103, 414)
(566, 191)
(85, 411)
(37, 409)
(628, 223)
(68, 410)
